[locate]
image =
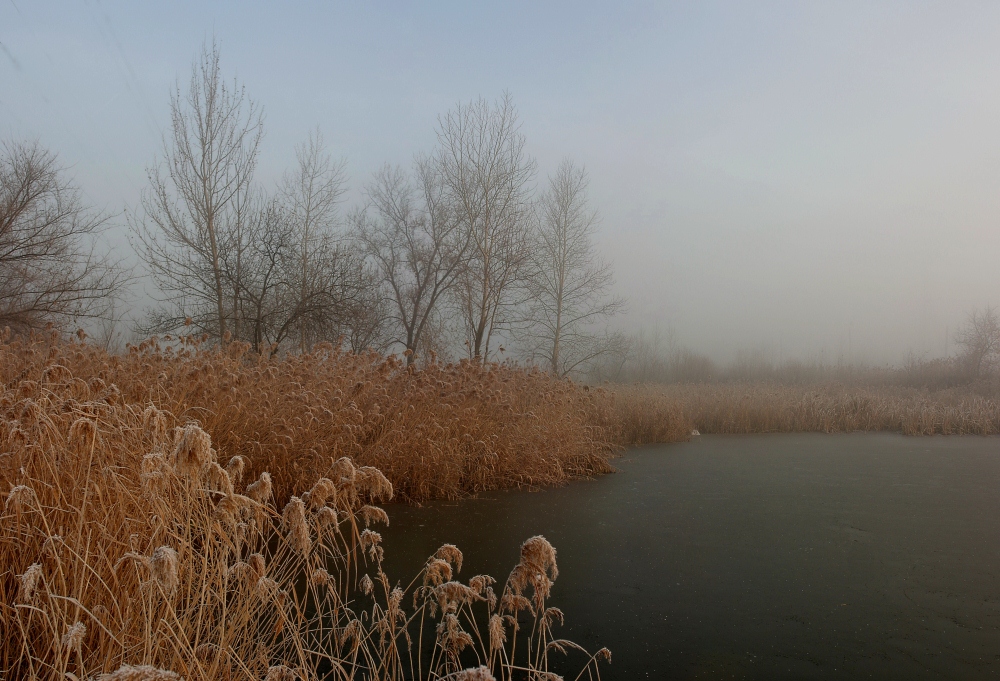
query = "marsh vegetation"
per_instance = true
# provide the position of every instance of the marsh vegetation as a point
(206, 513)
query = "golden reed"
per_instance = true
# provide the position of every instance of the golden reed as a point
(189, 512)
(740, 408)
(446, 430)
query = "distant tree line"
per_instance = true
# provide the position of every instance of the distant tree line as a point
(655, 357)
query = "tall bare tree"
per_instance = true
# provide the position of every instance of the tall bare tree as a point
(568, 285)
(50, 268)
(198, 199)
(487, 175)
(311, 194)
(417, 246)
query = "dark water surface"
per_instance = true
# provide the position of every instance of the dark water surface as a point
(763, 557)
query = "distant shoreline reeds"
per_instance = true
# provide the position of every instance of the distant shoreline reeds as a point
(765, 407)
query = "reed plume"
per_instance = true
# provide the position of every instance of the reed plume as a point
(293, 520)
(163, 568)
(73, 638)
(29, 583)
(141, 673)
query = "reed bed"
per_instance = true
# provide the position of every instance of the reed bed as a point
(136, 544)
(443, 431)
(198, 512)
(638, 415)
(741, 408)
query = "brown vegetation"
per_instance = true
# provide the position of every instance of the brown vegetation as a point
(187, 509)
(142, 535)
(441, 431)
(833, 407)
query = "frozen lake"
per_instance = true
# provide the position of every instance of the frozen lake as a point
(763, 556)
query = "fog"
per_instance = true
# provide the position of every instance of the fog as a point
(813, 181)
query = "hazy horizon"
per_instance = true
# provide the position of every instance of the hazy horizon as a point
(810, 181)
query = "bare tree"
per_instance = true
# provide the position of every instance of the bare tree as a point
(50, 268)
(195, 208)
(344, 300)
(252, 266)
(362, 311)
(417, 246)
(567, 283)
(487, 175)
(263, 268)
(332, 292)
(979, 339)
(311, 194)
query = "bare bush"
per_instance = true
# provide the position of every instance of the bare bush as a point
(979, 340)
(653, 357)
(253, 268)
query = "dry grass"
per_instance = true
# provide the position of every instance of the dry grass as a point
(442, 431)
(142, 538)
(773, 408)
(638, 415)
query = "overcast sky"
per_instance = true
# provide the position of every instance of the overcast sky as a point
(808, 179)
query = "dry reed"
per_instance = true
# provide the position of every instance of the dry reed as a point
(740, 408)
(190, 512)
(446, 430)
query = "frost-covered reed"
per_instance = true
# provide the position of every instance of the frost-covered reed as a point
(136, 546)
(445, 430)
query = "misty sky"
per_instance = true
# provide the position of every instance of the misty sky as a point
(811, 180)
